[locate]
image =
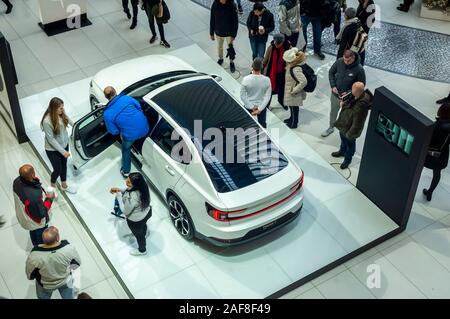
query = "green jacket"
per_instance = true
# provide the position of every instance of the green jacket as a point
(353, 116)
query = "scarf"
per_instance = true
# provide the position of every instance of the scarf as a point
(346, 24)
(277, 66)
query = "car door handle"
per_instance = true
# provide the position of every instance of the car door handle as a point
(170, 170)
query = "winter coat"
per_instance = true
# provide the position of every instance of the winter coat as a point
(363, 15)
(343, 76)
(353, 115)
(313, 8)
(123, 115)
(348, 36)
(267, 21)
(289, 17)
(268, 63)
(293, 90)
(224, 19)
(32, 209)
(440, 133)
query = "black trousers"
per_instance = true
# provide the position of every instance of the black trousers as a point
(281, 81)
(7, 2)
(151, 22)
(134, 6)
(293, 38)
(139, 230)
(435, 181)
(59, 164)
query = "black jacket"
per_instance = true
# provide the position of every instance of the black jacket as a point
(267, 21)
(343, 76)
(348, 36)
(224, 19)
(363, 14)
(313, 8)
(30, 194)
(438, 141)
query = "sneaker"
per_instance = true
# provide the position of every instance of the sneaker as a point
(232, 67)
(135, 252)
(337, 154)
(320, 55)
(165, 44)
(344, 165)
(133, 25)
(69, 189)
(153, 39)
(220, 61)
(327, 132)
(125, 175)
(9, 9)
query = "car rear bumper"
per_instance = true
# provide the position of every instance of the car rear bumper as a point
(254, 233)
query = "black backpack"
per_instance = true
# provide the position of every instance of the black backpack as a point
(310, 76)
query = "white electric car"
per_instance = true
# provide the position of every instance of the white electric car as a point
(224, 195)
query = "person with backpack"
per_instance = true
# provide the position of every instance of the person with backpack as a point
(347, 35)
(296, 81)
(289, 20)
(134, 202)
(260, 24)
(351, 120)
(366, 15)
(438, 151)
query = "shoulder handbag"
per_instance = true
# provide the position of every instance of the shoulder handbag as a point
(435, 152)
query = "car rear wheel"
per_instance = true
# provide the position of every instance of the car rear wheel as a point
(180, 217)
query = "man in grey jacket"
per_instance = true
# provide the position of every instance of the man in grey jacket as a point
(342, 75)
(289, 20)
(51, 265)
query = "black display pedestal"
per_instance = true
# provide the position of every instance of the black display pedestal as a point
(60, 26)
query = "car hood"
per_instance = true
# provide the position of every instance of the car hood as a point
(123, 74)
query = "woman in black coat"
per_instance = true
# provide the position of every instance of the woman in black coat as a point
(439, 142)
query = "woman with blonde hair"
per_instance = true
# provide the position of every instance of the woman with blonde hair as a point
(296, 81)
(54, 124)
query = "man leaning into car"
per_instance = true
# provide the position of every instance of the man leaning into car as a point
(123, 115)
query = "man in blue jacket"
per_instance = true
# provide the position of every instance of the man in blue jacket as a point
(123, 115)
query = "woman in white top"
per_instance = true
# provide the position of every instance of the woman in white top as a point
(54, 124)
(134, 203)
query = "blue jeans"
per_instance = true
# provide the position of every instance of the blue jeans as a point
(126, 155)
(258, 48)
(348, 148)
(64, 291)
(317, 31)
(36, 236)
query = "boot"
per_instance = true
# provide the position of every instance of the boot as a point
(428, 195)
(288, 120)
(294, 122)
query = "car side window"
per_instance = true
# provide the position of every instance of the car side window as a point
(172, 144)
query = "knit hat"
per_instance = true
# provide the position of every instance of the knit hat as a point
(292, 55)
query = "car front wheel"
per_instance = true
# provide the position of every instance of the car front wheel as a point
(180, 217)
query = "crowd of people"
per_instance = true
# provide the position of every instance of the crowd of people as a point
(279, 68)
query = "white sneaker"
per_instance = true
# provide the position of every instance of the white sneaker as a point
(327, 132)
(136, 252)
(69, 189)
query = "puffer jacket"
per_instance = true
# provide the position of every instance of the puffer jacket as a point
(289, 16)
(353, 115)
(293, 90)
(32, 209)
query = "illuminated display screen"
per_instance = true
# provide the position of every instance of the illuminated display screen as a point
(394, 134)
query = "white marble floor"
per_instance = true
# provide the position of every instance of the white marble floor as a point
(426, 240)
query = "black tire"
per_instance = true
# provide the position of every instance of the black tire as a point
(180, 217)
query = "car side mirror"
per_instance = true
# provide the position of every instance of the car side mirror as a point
(216, 77)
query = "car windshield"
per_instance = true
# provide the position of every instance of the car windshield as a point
(235, 151)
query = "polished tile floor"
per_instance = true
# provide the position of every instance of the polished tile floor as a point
(413, 264)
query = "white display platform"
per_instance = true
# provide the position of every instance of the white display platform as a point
(335, 221)
(434, 14)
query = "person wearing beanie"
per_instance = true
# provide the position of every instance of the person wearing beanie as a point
(294, 95)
